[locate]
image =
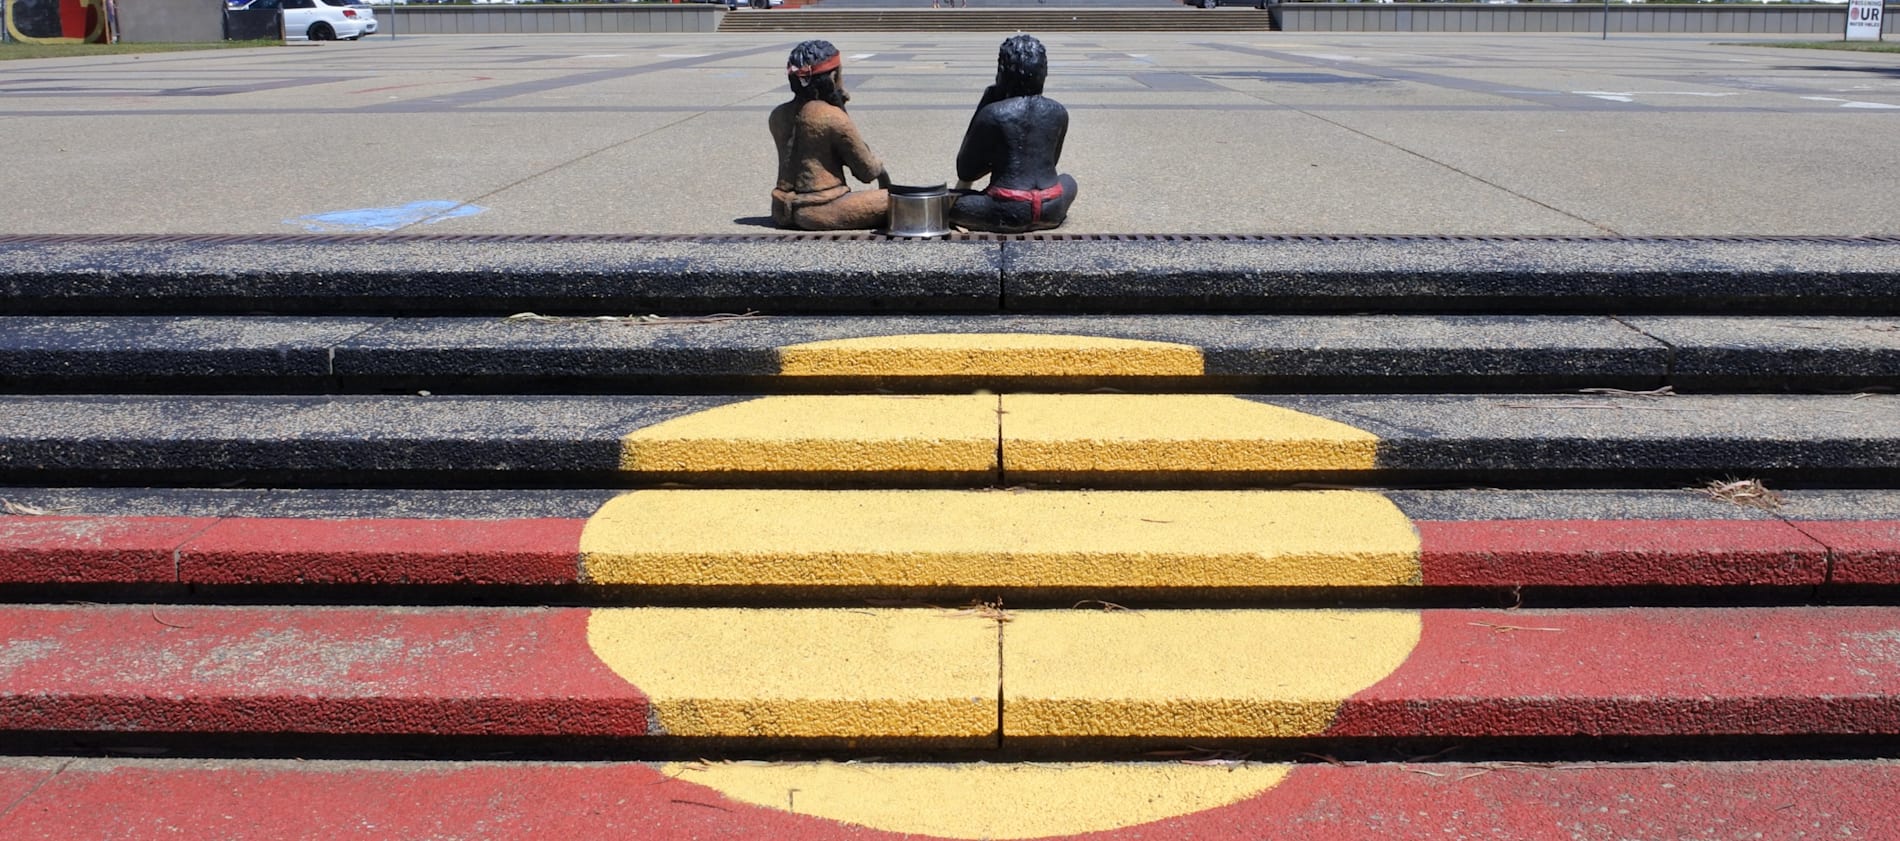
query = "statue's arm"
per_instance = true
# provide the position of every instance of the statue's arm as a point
(1062, 131)
(977, 156)
(857, 155)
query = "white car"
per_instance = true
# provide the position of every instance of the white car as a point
(324, 20)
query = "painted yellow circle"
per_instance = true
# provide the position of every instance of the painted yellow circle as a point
(976, 800)
(990, 355)
(1080, 540)
(932, 675)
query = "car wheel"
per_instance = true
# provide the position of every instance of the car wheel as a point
(321, 32)
(1209, 4)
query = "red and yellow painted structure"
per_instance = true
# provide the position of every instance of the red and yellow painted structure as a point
(923, 678)
(352, 800)
(712, 540)
(935, 678)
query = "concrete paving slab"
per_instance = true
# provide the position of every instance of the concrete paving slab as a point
(312, 436)
(1860, 552)
(1504, 274)
(352, 275)
(316, 552)
(1121, 675)
(310, 503)
(242, 800)
(937, 439)
(1741, 352)
(1120, 541)
(343, 274)
(1639, 553)
(1571, 504)
(1089, 440)
(1454, 505)
(276, 670)
(749, 547)
(1361, 132)
(61, 352)
(818, 675)
(1395, 352)
(1194, 674)
(118, 550)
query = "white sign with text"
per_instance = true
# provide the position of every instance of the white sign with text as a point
(1863, 19)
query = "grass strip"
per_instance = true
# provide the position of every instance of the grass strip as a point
(12, 50)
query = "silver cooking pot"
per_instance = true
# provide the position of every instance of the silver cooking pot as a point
(918, 211)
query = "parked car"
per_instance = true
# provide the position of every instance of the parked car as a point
(1210, 4)
(325, 20)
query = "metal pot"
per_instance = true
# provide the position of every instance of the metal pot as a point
(918, 211)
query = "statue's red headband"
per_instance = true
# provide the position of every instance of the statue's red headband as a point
(820, 68)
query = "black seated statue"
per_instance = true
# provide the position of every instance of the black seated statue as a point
(1016, 139)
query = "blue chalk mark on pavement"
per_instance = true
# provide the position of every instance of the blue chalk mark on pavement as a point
(385, 218)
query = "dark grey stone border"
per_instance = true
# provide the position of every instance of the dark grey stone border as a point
(788, 274)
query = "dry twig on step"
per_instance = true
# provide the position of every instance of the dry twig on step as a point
(1665, 391)
(1505, 629)
(1749, 493)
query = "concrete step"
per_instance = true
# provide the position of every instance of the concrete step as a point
(788, 547)
(944, 353)
(782, 274)
(825, 18)
(676, 681)
(1198, 796)
(1246, 556)
(978, 440)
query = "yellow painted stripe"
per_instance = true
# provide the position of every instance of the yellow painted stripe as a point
(927, 675)
(823, 434)
(1084, 539)
(1084, 434)
(979, 800)
(1193, 673)
(990, 355)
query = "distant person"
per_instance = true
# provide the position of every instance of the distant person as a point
(816, 141)
(1015, 138)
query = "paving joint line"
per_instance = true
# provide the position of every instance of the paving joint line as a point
(1675, 352)
(461, 102)
(1828, 553)
(178, 551)
(1447, 167)
(1394, 146)
(28, 794)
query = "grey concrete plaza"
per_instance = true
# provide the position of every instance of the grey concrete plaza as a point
(1347, 133)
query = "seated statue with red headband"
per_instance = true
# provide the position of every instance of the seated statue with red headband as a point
(1016, 139)
(816, 141)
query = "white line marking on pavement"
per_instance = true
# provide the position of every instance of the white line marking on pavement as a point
(1630, 96)
(1850, 103)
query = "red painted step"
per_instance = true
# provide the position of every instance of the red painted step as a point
(1500, 553)
(273, 801)
(526, 671)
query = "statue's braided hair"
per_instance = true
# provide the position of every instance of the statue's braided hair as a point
(809, 75)
(1021, 66)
